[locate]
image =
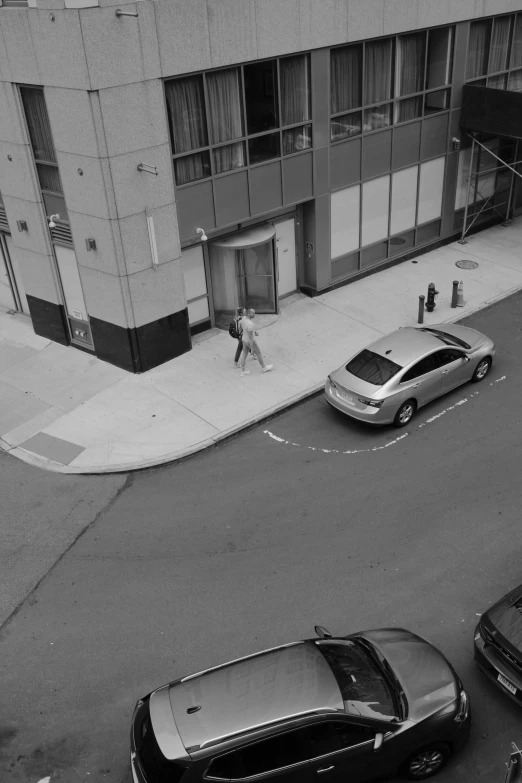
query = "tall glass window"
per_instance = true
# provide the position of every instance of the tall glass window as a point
(261, 96)
(346, 78)
(226, 118)
(345, 215)
(478, 48)
(378, 76)
(440, 56)
(410, 63)
(188, 127)
(375, 208)
(499, 50)
(39, 128)
(294, 75)
(516, 49)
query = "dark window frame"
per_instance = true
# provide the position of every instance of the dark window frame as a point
(395, 100)
(246, 137)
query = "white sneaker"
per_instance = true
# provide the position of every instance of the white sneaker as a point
(267, 368)
(245, 372)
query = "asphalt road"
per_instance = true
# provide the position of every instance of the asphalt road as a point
(252, 543)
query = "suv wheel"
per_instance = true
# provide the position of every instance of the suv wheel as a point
(426, 762)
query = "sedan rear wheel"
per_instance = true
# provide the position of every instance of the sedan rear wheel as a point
(405, 413)
(426, 762)
(481, 370)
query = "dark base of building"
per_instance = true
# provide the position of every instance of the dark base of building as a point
(136, 350)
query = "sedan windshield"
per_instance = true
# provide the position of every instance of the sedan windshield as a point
(364, 688)
(372, 368)
(449, 339)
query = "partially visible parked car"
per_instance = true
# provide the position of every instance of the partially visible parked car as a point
(498, 644)
(353, 708)
(390, 379)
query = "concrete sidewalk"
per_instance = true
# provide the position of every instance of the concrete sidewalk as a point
(66, 411)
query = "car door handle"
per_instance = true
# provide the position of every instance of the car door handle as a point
(445, 372)
(325, 769)
(416, 385)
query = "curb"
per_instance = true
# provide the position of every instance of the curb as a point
(175, 456)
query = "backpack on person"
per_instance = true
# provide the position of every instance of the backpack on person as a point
(233, 328)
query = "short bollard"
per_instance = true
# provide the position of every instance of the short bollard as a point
(455, 293)
(420, 319)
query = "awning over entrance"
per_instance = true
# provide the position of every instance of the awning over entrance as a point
(498, 112)
(249, 238)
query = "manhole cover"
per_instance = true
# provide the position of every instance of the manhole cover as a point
(466, 264)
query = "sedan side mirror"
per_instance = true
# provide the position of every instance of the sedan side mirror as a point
(379, 739)
(322, 633)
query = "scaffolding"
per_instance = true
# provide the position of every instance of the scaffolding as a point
(477, 176)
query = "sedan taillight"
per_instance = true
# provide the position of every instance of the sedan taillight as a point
(371, 403)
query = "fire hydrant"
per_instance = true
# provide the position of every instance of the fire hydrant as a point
(430, 301)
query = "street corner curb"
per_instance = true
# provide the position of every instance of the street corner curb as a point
(176, 456)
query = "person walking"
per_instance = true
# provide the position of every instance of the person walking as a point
(240, 313)
(248, 336)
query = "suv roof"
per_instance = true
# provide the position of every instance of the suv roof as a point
(252, 692)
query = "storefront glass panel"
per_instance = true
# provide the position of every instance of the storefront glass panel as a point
(430, 190)
(404, 199)
(376, 198)
(345, 220)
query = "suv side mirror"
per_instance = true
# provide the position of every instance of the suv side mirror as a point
(379, 739)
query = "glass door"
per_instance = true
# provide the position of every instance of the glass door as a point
(257, 277)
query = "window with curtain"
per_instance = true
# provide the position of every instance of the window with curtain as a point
(410, 63)
(499, 49)
(478, 49)
(378, 71)
(294, 75)
(515, 81)
(516, 48)
(345, 78)
(440, 57)
(186, 110)
(225, 117)
(408, 109)
(188, 127)
(38, 123)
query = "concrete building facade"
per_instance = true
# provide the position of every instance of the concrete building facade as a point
(163, 162)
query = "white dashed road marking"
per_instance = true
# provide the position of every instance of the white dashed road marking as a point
(391, 442)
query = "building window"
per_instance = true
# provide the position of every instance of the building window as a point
(189, 132)
(494, 49)
(35, 110)
(224, 120)
(408, 68)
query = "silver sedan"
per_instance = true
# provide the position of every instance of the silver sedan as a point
(394, 376)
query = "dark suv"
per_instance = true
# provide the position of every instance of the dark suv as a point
(361, 707)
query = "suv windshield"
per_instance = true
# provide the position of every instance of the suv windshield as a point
(449, 339)
(372, 368)
(364, 688)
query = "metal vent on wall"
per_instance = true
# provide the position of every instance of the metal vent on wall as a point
(4, 225)
(61, 234)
